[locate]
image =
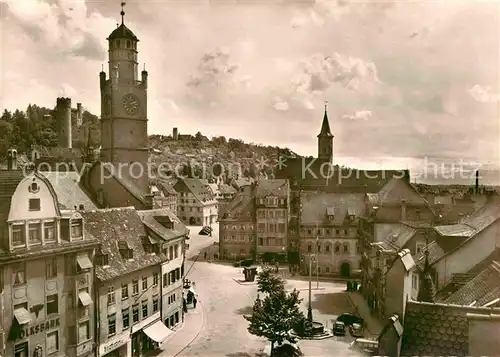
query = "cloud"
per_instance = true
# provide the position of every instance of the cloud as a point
(229, 70)
(63, 27)
(67, 90)
(359, 115)
(483, 94)
(281, 105)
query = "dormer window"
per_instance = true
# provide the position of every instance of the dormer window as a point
(76, 229)
(34, 204)
(330, 212)
(102, 259)
(351, 215)
(125, 250)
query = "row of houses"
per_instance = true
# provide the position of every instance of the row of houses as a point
(269, 218)
(77, 279)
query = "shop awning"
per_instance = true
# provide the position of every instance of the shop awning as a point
(84, 262)
(22, 316)
(158, 332)
(84, 298)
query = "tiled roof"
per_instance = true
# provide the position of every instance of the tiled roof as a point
(435, 253)
(315, 207)
(480, 290)
(274, 187)
(115, 225)
(397, 190)
(196, 187)
(480, 220)
(455, 230)
(226, 189)
(167, 189)
(240, 208)
(8, 184)
(400, 236)
(384, 247)
(70, 192)
(459, 280)
(484, 216)
(437, 329)
(243, 182)
(149, 218)
(443, 200)
(453, 213)
(214, 188)
(307, 173)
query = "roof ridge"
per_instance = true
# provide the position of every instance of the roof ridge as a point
(111, 209)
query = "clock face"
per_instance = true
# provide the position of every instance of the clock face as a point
(131, 104)
(106, 104)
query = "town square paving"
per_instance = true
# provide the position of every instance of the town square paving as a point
(224, 302)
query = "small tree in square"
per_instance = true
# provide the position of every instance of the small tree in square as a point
(276, 316)
(268, 283)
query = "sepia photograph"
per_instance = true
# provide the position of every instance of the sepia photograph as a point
(249, 178)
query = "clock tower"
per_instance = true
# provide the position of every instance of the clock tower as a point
(124, 123)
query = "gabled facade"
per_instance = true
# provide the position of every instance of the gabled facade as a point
(197, 205)
(46, 271)
(129, 282)
(168, 234)
(272, 211)
(396, 217)
(329, 233)
(237, 239)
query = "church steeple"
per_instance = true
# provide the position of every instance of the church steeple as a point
(325, 138)
(325, 126)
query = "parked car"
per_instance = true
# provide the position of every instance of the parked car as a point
(349, 319)
(356, 330)
(369, 347)
(205, 231)
(339, 328)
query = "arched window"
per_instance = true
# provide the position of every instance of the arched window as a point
(337, 248)
(346, 248)
(117, 44)
(318, 247)
(309, 248)
(129, 44)
(328, 248)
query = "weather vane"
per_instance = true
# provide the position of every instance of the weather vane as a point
(123, 12)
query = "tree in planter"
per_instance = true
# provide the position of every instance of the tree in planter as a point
(276, 316)
(268, 283)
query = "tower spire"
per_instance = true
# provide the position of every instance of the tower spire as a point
(122, 12)
(325, 126)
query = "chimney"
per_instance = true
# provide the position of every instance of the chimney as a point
(403, 210)
(148, 199)
(175, 134)
(12, 159)
(477, 182)
(79, 114)
(63, 119)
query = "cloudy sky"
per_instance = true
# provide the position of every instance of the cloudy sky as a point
(405, 79)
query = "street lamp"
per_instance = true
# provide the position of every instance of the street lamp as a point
(309, 307)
